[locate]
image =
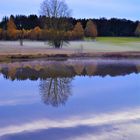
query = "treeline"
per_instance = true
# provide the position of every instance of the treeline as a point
(35, 70)
(38, 28)
(64, 30)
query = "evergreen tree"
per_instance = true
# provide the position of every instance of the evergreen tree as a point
(137, 31)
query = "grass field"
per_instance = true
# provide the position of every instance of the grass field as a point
(118, 39)
(109, 44)
(101, 44)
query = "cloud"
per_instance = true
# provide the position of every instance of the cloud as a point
(123, 120)
(13, 102)
(128, 131)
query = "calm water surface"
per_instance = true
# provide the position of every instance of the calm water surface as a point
(90, 99)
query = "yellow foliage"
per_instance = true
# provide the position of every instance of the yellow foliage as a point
(1, 33)
(11, 29)
(78, 31)
(38, 67)
(37, 29)
(11, 25)
(0, 30)
(35, 33)
(12, 71)
(23, 33)
(91, 29)
(91, 69)
(79, 69)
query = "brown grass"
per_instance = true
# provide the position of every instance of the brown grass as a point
(9, 51)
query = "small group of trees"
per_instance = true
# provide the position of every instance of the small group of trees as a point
(56, 37)
(56, 11)
(106, 27)
(56, 26)
(12, 33)
(56, 29)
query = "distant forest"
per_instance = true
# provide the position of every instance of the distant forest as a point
(106, 27)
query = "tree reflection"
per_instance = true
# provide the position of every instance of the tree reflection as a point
(55, 91)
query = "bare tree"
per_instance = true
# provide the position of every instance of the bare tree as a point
(55, 91)
(55, 8)
(56, 12)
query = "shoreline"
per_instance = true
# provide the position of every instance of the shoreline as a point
(37, 49)
(22, 56)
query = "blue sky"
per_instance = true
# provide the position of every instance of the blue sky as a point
(129, 9)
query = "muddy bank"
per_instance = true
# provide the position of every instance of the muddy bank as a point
(8, 57)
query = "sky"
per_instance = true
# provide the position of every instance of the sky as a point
(128, 9)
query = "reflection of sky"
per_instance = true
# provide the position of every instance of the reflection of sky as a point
(106, 106)
(15, 94)
(103, 126)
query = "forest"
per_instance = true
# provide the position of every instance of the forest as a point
(37, 28)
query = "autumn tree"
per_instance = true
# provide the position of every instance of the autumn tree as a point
(26, 33)
(91, 29)
(11, 29)
(78, 31)
(56, 11)
(35, 34)
(137, 31)
(1, 33)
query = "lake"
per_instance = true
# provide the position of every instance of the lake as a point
(73, 99)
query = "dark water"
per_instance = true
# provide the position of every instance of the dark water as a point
(90, 99)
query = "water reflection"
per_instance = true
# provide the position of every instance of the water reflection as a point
(101, 106)
(41, 69)
(56, 76)
(104, 126)
(55, 91)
